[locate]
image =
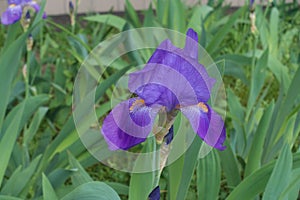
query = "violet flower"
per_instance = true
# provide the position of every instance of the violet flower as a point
(172, 81)
(251, 5)
(155, 194)
(15, 10)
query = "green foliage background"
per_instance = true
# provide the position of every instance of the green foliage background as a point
(42, 156)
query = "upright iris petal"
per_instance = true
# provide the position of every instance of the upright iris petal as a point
(184, 61)
(16, 2)
(174, 80)
(34, 5)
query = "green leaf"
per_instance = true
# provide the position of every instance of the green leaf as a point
(237, 113)
(58, 177)
(108, 19)
(9, 62)
(230, 166)
(274, 23)
(141, 184)
(280, 175)
(162, 10)
(13, 124)
(92, 191)
(199, 15)
(4, 197)
(34, 125)
(291, 191)
(209, 176)
(177, 16)
(182, 170)
(235, 66)
(280, 71)
(13, 31)
(258, 77)
(255, 183)
(8, 141)
(48, 191)
(132, 14)
(149, 17)
(214, 44)
(19, 179)
(100, 91)
(256, 151)
(119, 188)
(78, 46)
(285, 106)
(80, 176)
(31, 105)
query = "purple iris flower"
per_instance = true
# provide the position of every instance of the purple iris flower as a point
(15, 9)
(172, 81)
(251, 4)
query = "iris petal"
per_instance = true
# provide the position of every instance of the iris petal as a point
(162, 85)
(208, 125)
(155, 194)
(128, 124)
(34, 5)
(184, 61)
(16, 2)
(11, 15)
(169, 137)
(191, 43)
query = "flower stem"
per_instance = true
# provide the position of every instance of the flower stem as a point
(26, 68)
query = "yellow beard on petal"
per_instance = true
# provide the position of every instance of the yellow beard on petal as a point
(203, 107)
(138, 102)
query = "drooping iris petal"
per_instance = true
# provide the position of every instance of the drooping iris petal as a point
(155, 194)
(207, 124)
(128, 124)
(216, 130)
(11, 15)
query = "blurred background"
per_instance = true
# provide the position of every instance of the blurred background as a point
(60, 7)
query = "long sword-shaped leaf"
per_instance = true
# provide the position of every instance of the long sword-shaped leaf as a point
(209, 176)
(48, 191)
(256, 151)
(256, 183)
(92, 191)
(280, 175)
(16, 123)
